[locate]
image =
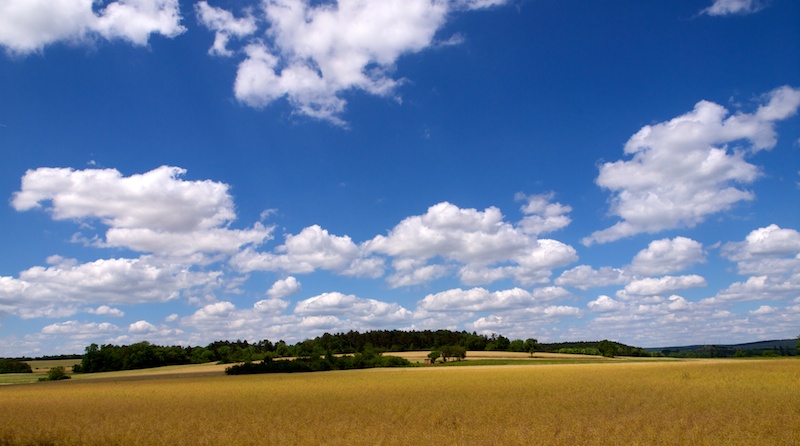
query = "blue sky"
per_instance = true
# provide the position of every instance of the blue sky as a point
(183, 172)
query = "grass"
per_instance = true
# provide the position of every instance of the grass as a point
(717, 402)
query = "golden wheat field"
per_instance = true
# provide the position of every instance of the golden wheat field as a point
(724, 402)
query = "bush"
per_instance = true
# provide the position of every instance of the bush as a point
(55, 374)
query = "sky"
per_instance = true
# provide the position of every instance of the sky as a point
(182, 171)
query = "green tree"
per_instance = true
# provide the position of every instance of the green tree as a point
(531, 345)
(453, 351)
(517, 345)
(13, 366)
(434, 355)
(607, 348)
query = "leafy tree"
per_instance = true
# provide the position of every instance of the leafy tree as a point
(531, 345)
(453, 351)
(434, 355)
(13, 366)
(517, 345)
(607, 348)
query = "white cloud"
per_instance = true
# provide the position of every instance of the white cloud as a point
(124, 281)
(283, 288)
(211, 240)
(662, 285)
(313, 53)
(480, 299)
(416, 275)
(77, 329)
(225, 25)
(766, 251)
(27, 26)
(157, 200)
(120, 281)
(728, 7)
(523, 323)
(771, 256)
(764, 310)
(476, 299)
(312, 249)
(771, 241)
(142, 327)
(154, 212)
(761, 288)
(367, 311)
(105, 310)
(584, 277)
(488, 247)
(463, 235)
(667, 256)
(686, 169)
(271, 306)
(543, 216)
(605, 304)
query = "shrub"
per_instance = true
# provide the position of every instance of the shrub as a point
(55, 374)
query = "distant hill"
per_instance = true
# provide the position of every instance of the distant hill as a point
(781, 347)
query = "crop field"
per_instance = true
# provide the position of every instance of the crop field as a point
(701, 402)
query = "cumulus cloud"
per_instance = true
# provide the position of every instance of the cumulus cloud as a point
(158, 199)
(142, 327)
(661, 285)
(523, 323)
(763, 310)
(370, 311)
(667, 256)
(271, 306)
(605, 304)
(314, 248)
(542, 215)
(729, 7)
(332, 312)
(771, 240)
(27, 26)
(105, 310)
(760, 288)
(120, 281)
(77, 329)
(584, 277)
(476, 299)
(410, 272)
(480, 299)
(283, 288)
(771, 257)
(688, 168)
(487, 247)
(312, 53)
(156, 212)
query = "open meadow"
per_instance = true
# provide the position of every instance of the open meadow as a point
(697, 402)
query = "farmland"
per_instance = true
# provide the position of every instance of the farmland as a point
(600, 402)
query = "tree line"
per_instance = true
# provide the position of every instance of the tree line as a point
(369, 358)
(104, 358)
